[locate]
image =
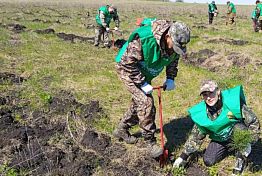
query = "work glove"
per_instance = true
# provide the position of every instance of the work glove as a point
(147, 88)
(179, 162)
(169, 84)
(116, 28)
(107, 29)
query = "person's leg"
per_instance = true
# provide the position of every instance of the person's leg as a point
(98, 33)
(215, 152)
(106, 38)
(210, 18)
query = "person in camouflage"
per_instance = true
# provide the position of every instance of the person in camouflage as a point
(255, 16)
(212, 11)
(259, 15)
(219, 115)
(231, 13)
(103, 19)
(148, 50)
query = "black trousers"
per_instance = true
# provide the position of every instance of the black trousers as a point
(210, 17)
(216, 151)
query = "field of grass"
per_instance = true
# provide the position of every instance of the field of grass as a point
(51, 64)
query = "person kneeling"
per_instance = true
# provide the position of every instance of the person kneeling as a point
(219, 115)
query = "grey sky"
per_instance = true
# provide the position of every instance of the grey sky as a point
(236, 2)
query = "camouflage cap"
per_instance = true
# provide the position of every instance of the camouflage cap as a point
(213, 2)
(208, 86)
(180, 35)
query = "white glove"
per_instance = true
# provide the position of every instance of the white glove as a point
(169, 84)
(179, 163)
(107, 29)
(116, 28)
(147, 88)
(247, 150)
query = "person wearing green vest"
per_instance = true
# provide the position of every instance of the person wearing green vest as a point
(254, 16)
(212, 11)
(149, 50)
(259, 14)
(103, 19)
(231, 13)
(218, 116)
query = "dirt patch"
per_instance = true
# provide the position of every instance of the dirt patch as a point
(195, 170)
(199, 26)
(17, 28)
(216, 62)
(74, 38)
(228, 41)
(45, 31)
(10, 78)
(40, 143)
(45, 21)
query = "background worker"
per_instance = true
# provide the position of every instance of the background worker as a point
(254, 16)
(231, 13)
(147, 52)
(219, 115)
(259, 14)
(212, 11)
(103, 19)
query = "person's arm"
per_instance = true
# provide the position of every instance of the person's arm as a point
(116, 19)
(194, 141)
(192, 145)
(171, 70)
(103, 19)
(252, 122)
(130, 61)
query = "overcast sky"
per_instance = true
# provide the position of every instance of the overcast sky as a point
(236, 2)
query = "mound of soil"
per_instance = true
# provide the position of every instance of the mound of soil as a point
(10, 78)
(73, 38)
(45, 31)
(228, 41)
(17, 28)
(39, 142)
(216, 62)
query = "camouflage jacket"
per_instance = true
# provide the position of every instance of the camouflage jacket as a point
(196, 138)
(129, 62)
(102, 17)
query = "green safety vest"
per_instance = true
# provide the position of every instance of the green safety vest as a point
(220, 129)
(233, 9)
(259, 6)
(153, 63)
(254, 14)
(147, 21)
(108, 16)
(211, 8)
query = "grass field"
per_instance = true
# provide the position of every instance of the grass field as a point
(51, 64)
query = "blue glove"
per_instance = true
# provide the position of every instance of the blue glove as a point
(169, 84)
(147, 88)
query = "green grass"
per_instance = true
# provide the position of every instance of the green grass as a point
(53, 64)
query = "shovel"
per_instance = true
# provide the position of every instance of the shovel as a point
(117, 32)
(164, 157)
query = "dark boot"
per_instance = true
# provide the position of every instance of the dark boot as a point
(122, 133)
(154, 149)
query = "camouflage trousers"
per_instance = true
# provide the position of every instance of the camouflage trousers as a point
(142, 110)
(101, 32)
